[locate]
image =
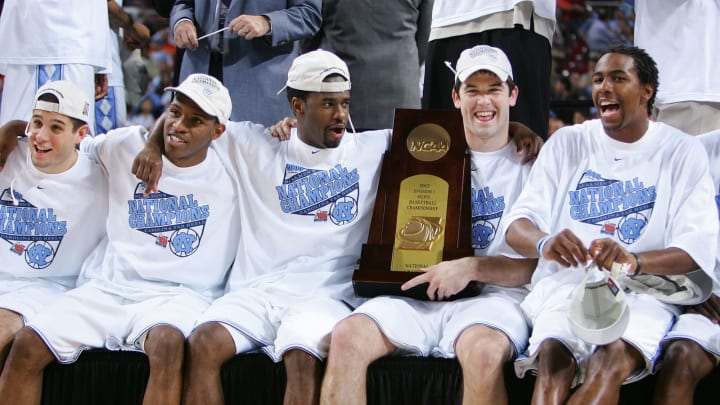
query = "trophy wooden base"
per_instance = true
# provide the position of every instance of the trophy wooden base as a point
(378, 282)
(372, 283)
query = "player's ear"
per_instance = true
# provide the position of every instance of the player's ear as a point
(219, 130)
(81, 133)
(298, 106)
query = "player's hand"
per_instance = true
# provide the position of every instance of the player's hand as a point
(281, 129)
(136, 37)
(147, 165)
(101, 86)
(566, 248)
(185, 35)
(710, 309)
(444, 279)
(250, 26)
(527, 142)
(606, 252)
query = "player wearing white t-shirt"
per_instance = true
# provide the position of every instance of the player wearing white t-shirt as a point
(48, 236)
(619, 190)
(51, 40)
(692, 348)
(305, 211)
(165, 258)
(486, 331)
(689, 98)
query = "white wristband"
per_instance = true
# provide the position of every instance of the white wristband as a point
(541, 244)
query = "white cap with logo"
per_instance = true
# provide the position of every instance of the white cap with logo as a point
(483, 57)
(72, 101)
(598, 312)
(208, 93)
(308, 71)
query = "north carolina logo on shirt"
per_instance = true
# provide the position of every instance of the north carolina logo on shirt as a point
(322, 194)
(34, 233)
(176, 222)
(486, 213)
(621, 207)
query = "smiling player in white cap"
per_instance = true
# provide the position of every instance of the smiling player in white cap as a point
(164, 260)
(53, 203)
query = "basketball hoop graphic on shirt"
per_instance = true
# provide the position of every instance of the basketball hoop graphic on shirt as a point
(176, 222)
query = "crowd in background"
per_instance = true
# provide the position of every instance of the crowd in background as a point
(584, 29)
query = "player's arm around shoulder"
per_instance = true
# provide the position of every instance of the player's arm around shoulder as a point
(9, 134)
(147, 165)
(527, 142)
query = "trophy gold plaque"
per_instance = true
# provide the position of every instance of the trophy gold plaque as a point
(422, 209)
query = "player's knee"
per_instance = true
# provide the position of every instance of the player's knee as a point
(204, 344)
(683, 359)
(554, 359)
(483, 347)
(552, 349)
(614, 362)
(300, 362)
(165, 345)
(347, 335)
(30, 350)
(678, 351)
(9, 326)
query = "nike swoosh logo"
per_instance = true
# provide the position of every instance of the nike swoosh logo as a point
(618, 159)
(40, 188)
(315, 151)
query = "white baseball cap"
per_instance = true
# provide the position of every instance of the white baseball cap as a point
(681, 289)
(308, 71)
(483, 57)
(598, 312)
(208, 93)
(72, 101)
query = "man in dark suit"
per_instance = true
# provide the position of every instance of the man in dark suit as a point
(253, 55)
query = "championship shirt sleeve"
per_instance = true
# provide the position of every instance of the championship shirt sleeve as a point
(695, 219)
(537, 199)
(104, 148)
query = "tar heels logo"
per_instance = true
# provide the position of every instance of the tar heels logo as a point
(486, 213)
(34, 233)
(323, 194)
(176, 223)
(617, 207)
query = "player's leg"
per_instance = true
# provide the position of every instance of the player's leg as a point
(21, 380)
(10, 323)
(556, 370)
(304, 376)
(608, 368)
(483, 352)
(165, 348)
(684, 365)
(209, 346)
(356, 342)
